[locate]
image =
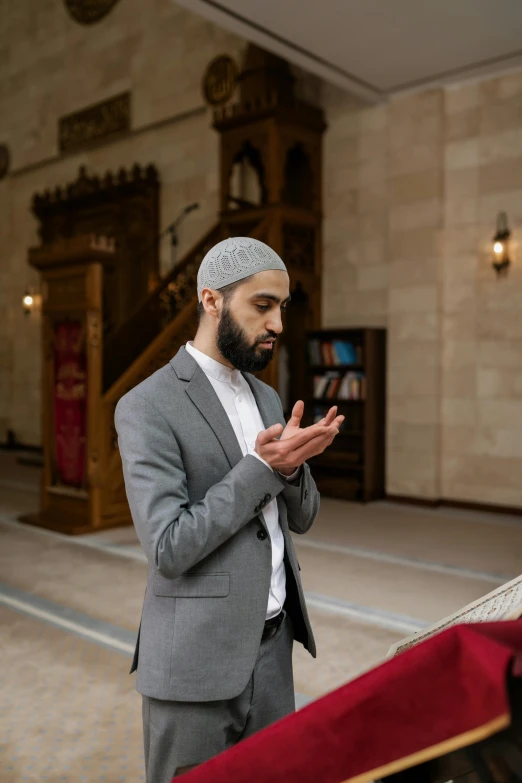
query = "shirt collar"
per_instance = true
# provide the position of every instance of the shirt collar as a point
(212, 367)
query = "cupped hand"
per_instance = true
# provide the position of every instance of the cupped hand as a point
(286, 448)
(294, 422)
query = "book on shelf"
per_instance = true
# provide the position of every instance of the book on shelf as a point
(352, 386)
(346, 353)
(333, 388)
(323, 382)
(320, 384)
(333, 352)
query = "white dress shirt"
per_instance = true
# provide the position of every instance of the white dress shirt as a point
(241, 408)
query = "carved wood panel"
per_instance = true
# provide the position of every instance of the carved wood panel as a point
(123, 205)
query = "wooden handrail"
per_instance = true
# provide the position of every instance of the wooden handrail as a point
(162, 345)
(177, 269)
(261, 229)
(130, 340)
(161, 307)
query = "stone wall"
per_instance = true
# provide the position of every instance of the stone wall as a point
(52, 66)
(482, 323)
(412, 191)
(355, 232)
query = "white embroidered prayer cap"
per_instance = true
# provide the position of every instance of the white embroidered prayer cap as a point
(234, 259)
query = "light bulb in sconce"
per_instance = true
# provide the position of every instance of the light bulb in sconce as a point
(30, 301)
(501, 261)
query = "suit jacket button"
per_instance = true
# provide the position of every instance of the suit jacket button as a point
(306, 493)
(261, 534)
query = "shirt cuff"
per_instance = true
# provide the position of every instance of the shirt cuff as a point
(292, 476)
(255, 454)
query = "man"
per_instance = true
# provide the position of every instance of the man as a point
(216, 480)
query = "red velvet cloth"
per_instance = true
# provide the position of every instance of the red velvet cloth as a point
(446, 686)
(70, 402)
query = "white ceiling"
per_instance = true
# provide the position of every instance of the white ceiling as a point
(377, 47)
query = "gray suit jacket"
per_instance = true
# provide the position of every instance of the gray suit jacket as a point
(196, 503)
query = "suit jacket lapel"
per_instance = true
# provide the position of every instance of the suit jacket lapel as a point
(202, 394)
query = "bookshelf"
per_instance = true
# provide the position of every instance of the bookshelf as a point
(347, 368)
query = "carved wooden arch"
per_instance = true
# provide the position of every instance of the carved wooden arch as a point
(123, 205)
(299, 186)
(311, 147)
(254, 157)
(233, 147)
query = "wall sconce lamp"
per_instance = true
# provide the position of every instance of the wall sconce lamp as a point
(500, 246)
(30, 301)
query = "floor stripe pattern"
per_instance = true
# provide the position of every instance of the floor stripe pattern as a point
(364, 614)
(89, 628)
(68, 708)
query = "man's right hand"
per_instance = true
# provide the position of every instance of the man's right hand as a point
(291, 452)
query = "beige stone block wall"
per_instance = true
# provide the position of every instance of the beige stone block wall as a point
(482, 327)
(415, 226)
(355, 277)
(54, 66)
(384, 215)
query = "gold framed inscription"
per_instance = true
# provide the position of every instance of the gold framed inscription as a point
(219, 81)
(95, 123)
(89, 11)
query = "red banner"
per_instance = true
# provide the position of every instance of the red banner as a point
(70, 403)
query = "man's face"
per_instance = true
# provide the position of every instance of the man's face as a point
(252, 317)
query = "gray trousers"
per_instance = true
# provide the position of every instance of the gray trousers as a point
(180, 735)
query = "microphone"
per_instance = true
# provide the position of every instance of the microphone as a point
(172, 229)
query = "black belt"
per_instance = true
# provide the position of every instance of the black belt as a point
(271, 626)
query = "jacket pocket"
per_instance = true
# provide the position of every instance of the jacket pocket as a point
(192, 585)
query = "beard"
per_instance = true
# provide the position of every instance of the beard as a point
(234, 346)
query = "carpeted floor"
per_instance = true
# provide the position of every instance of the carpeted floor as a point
(70, 610)
(68, 709)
